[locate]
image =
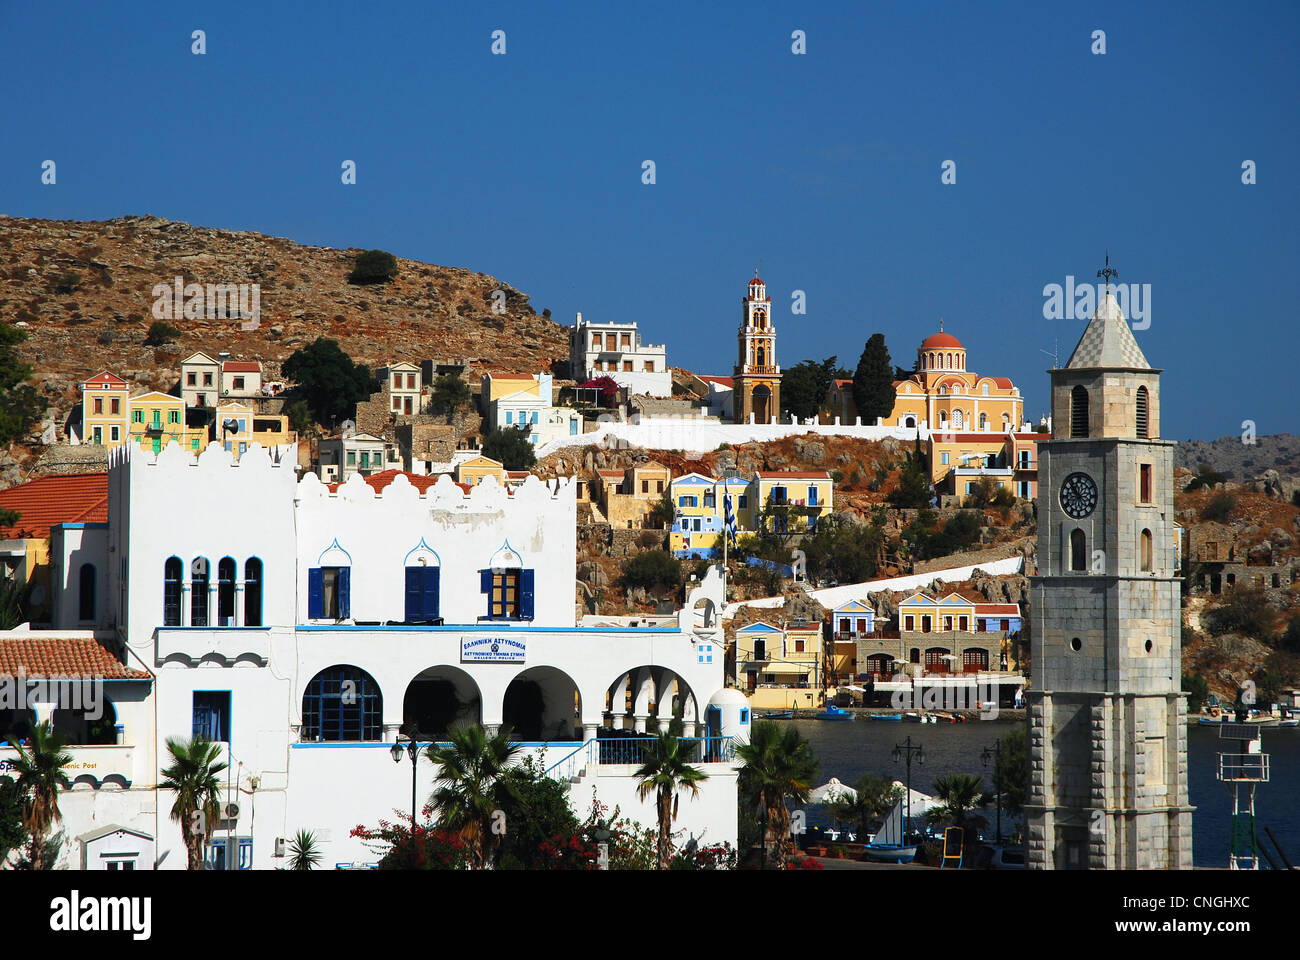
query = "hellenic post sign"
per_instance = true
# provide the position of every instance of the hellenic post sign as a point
(491, 650)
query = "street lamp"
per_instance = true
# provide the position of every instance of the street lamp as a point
(996, 756)
(413, 751)
(904, 752)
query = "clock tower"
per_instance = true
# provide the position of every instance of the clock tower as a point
(1107, 716)
(757, 380)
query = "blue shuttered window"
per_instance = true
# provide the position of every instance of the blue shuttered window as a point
(315, 590)
(422, 593)
(525, 594)
(329, 593)
(510, 593)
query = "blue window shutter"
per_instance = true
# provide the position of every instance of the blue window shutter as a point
(414, 594)
(345, 593)
(525, 594)
(485, 581)
(315, 593)
(432, 576)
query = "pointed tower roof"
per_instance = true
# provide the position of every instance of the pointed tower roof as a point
(1107, 341)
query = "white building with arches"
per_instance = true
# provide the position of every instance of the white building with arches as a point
(304, 627)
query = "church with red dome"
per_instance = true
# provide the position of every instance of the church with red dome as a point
(943, 394)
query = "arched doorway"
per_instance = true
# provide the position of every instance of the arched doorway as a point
(438, 699)
(762, 403)
(542, 703)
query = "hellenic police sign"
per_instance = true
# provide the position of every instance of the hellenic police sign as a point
(491, 650)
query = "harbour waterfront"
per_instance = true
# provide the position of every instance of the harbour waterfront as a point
(848, 750)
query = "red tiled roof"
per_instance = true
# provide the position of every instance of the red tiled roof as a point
(725, 381)
(385, 477)
(1033, 436)
(105, 379)
(611, 473)
(241, 366)
(997, 609)
(840, 383)
(1004, 382)
(53, 657)
(79, 498)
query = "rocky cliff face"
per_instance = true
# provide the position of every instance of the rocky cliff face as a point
(83, 291)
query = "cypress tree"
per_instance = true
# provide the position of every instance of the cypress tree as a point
(873, 383)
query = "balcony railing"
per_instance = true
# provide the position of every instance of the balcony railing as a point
(635, 750)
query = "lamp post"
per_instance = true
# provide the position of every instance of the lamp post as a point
(413, 751)
(904, 752)
(996, 756)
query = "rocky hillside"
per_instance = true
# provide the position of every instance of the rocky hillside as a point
(83, 292)
(1243, 461)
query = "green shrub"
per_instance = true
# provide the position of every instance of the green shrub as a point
(1220, 507)
(651, 569)
(373, 266)
(160, 332)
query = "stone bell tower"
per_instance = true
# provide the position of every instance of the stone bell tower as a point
(757, 376)
(1107, 716)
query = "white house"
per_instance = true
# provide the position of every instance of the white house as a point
(615, 350)
(302, 628)
(200, 380)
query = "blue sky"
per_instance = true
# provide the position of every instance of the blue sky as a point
(825, 166)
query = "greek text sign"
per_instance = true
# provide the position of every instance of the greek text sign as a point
(491, 650)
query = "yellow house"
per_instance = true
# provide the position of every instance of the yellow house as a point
(627, 496)
(780, 490)
(158, 419)
(238, 427)
(700, 513)
(473, 470)
(958, 461)
(781, 665)
(498, 385)
(104, 403)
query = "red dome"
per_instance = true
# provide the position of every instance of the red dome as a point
(755, 281)
(941, 340)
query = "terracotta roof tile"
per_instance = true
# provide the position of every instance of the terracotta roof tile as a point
(382, 479)
(78, 498)
(997, 609)
(241, 366)
(53, 657)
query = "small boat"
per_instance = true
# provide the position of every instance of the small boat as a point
(890, 852)
(778, 715)
(1289, 722)
(833, 712)
(894, 717)
(913, 718)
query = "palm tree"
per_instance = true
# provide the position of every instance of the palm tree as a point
(472, 774)
(779, 764)
(875, 797)
(38, 774)
(193, 776)
(958, 795)
(664, 772)
(305, 850)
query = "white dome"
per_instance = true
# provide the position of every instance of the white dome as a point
(728, 697)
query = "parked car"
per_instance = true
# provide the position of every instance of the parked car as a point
(995, 857)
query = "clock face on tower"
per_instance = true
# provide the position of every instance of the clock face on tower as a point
(1079, 495)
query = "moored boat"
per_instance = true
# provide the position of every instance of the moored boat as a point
(894, 717)
(833, 712)
(890, 852)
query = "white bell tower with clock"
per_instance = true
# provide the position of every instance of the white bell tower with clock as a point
(1107, 716)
